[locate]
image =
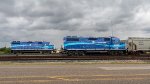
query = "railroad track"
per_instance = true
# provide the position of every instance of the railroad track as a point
(13, 58)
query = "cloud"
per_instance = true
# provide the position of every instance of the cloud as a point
(51, 20)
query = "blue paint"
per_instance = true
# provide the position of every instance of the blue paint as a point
(102, 43)
(17, 45)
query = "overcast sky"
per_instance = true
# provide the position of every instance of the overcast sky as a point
(51, 20)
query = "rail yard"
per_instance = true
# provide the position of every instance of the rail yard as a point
(74, 41)
(81, 60)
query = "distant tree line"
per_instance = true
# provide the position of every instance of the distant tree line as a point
(5, 50)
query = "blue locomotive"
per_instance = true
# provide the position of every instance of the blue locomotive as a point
(74, 45)
(31, 47)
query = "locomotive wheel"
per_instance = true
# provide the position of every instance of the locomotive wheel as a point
(76, 53)
(81, 53)
(120, 53)
(111, 53)
(69, 53)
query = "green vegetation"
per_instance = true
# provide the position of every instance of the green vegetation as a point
(5, 50)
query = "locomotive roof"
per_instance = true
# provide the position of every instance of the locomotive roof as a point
(29, 41)
(89, 37)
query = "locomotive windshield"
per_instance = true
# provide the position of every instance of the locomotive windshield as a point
(15, 42)
(92, 38)
(72, 39)
(29, 42)
(39, 42)
(106, 39)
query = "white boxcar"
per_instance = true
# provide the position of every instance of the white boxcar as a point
(138, 44)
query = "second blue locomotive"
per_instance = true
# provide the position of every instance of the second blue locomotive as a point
(74, 45)
(31, 47)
